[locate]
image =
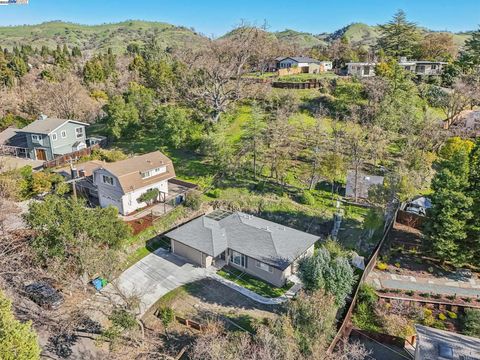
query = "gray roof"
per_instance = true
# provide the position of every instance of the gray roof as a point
(264, 240)
(11, 137)
(431, 341)
(364, 182)
(7, 134)
(46, 126)
(299, 59)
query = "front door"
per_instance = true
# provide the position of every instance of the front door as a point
(41, 154)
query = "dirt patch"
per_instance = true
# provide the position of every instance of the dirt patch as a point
(207, 298)
(138, 225)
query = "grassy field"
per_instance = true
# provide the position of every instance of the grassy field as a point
(307, 77)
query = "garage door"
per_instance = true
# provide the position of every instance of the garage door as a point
(187, 252)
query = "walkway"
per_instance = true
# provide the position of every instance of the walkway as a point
(440, 285)
(259, 298)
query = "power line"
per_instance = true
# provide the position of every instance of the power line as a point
(385, 346)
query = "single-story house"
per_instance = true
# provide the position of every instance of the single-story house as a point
(422, 67)
(304, 63)
(326, 65)
(360, 185)
(46, 138)
(259, 247)
(361, 69)
(445, 345)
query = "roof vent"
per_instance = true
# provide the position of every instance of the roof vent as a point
(42, 117)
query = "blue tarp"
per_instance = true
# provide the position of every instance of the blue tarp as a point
(99, 283)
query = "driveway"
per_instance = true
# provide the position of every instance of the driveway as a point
(151, 278)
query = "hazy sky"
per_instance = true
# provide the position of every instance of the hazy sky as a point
(213, 17)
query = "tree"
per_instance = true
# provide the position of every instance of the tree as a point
(333, 168)
(149, 196)
(446, 228)
(373, 221)
(167, 315)
(121, 116)
(474, 193)
(68, 232)
(17, 340)
(438, 47)
(253, 136)
(334, 275)
(472, 48)
(398, 37)
(471, 322)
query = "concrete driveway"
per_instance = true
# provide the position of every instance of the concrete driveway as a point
(152, 277)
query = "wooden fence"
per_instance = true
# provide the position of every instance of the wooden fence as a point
(346, 326)
(313, 84)
(67, 158)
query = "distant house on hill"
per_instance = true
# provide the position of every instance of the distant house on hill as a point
(359, 184)
(422, 67)
(361, 69)
(304, 64)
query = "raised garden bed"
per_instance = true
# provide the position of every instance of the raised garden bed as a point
(451, 300)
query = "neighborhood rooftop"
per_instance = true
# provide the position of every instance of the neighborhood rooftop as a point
(439, 344)
(46, 125)
(266, 241)
(129, 171)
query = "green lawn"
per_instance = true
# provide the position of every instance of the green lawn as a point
(252, 283)
(150, 246)
(307, 77)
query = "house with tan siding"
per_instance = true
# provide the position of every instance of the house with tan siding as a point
(256, 246)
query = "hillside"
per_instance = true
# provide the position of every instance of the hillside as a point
(96, 37)
(299, 39)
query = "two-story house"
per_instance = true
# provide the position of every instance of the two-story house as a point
(47, 138)
(122, 183)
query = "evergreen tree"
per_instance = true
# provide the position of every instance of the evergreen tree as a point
(17, 340)
(474, 193)
(472, 49)
(399, 37)
(446, 228)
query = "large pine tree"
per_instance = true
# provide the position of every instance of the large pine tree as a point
(451, 206)
(472, 48)
(399, 37)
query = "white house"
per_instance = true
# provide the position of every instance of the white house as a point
(326, 65)
(360, 69)
(122, 183)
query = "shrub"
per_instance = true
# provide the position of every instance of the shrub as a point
(382, 266)
(436, 296)
(193, 200)
(442, 317)
(451, 314)
(425, 295)
(214, 193)
(430, 269)
(107, 155)
(307, 198)
(149, 196)
(467, 299)
(367, 294)
(471, 322)
(451, 297)
(364, 318)
(123, 319)
(410, 292)
(167, 315)
(397, 265)
(427, 312)
(439, 325)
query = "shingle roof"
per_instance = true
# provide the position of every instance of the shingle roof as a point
(257, 238)
(128, 171)
(7, 134)
(46, 126)
(430, 340)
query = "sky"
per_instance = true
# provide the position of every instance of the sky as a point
(215, 17)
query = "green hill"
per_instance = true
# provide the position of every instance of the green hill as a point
(299, 39)
(97, 37)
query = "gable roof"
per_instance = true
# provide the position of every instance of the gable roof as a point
(430, 341)
(299, 59)
(364, 182)
(47, 125)
(128, 171)
(260, 239)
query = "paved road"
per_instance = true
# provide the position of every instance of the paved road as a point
(149, 279)
(440, 285)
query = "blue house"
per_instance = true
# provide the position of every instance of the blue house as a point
(47, 138)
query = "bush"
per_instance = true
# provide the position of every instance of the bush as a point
(410, 292)
(397, 265)
(193, 200)
(149, 195)
(216, 193)
(367, 294)
(382, 266)
(364, 318)
(451, 314)
(123, 319)
(307, 198)
(442, 317)
(471, 322)
(106, 155)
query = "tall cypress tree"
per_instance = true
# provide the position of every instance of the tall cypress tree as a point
(451, 213)
(474, 193)
(399, 37)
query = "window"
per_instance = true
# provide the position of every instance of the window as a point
(434, 67)
(153, 172)
(54, 136)
(263, 266)
(79, 132)
(238, 259)
(64, 134)
(36, 137)
(107, 179)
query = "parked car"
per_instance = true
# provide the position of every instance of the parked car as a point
(416, 209)
(44, 295)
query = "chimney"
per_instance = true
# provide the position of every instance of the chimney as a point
(42, 117)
